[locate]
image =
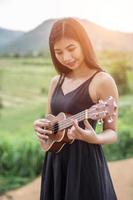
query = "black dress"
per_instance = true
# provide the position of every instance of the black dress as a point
(79, 171)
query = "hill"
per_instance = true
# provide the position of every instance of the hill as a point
(7, 36)
(33, 41)
(36, 40)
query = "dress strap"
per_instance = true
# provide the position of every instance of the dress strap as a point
(60, 81)
(95, 74)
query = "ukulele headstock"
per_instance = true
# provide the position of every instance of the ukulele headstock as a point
(106, 108)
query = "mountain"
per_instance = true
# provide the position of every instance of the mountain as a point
(7, 36)
(33, 41)
(36, 40)
(103, 38)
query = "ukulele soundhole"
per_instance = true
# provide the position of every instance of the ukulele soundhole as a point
(55, 128)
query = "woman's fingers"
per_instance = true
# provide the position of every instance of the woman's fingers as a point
(43, 131)
(42, 137)
(87, 124)
(76, 126)
(69, 134)
(40, 126)
(41, 123)
(75, 131)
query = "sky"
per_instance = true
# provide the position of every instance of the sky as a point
(25, 15)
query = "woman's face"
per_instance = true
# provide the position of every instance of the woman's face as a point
(69, 53)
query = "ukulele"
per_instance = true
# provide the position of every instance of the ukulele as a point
(60, 123)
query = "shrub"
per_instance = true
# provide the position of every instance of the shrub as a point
(20, 161)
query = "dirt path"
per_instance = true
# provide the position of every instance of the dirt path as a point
(122, 176)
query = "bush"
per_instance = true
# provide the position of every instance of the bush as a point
(122, 149)
(119, 72)
(21, 160)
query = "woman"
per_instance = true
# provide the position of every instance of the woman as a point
(79, 171)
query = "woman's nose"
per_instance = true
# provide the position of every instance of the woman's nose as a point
(67, 57)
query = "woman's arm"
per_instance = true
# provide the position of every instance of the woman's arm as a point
(39, 124)
(104, 86)
(52, 87)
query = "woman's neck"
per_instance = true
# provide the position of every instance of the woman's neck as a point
(81, 72)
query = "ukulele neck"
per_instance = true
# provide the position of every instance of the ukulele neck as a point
(69, 121)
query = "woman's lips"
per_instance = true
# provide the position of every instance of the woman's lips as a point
(71, 64)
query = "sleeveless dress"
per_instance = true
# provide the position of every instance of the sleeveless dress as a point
(79, 171)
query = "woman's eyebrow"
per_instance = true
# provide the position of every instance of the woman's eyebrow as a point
(70, 45)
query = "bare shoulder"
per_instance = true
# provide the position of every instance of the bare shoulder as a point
(55, 79)
(54, 82)
(105, 85)
(52, 87)
(103, 77)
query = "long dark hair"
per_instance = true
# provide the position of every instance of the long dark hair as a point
(71, 28)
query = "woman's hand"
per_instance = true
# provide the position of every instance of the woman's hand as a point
(40, 127)
(88, 134)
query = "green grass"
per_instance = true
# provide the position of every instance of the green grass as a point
(24, 98)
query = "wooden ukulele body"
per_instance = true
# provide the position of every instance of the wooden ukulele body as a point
(57, 140)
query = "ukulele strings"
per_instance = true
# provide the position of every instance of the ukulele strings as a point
(67, 122)
(60, 125)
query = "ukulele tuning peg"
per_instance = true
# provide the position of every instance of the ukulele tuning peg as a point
(115, 105)
(109, 97)
(110, 120)
(100, 121)
(100, 101)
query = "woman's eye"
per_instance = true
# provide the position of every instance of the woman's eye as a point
(72, 49)
(58, 53)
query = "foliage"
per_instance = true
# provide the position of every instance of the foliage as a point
(124, 147)
(119, 72)
(20, 154)
(21, 160)
(120, 65)
(1, 75)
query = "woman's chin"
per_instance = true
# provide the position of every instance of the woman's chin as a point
(72, 67)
